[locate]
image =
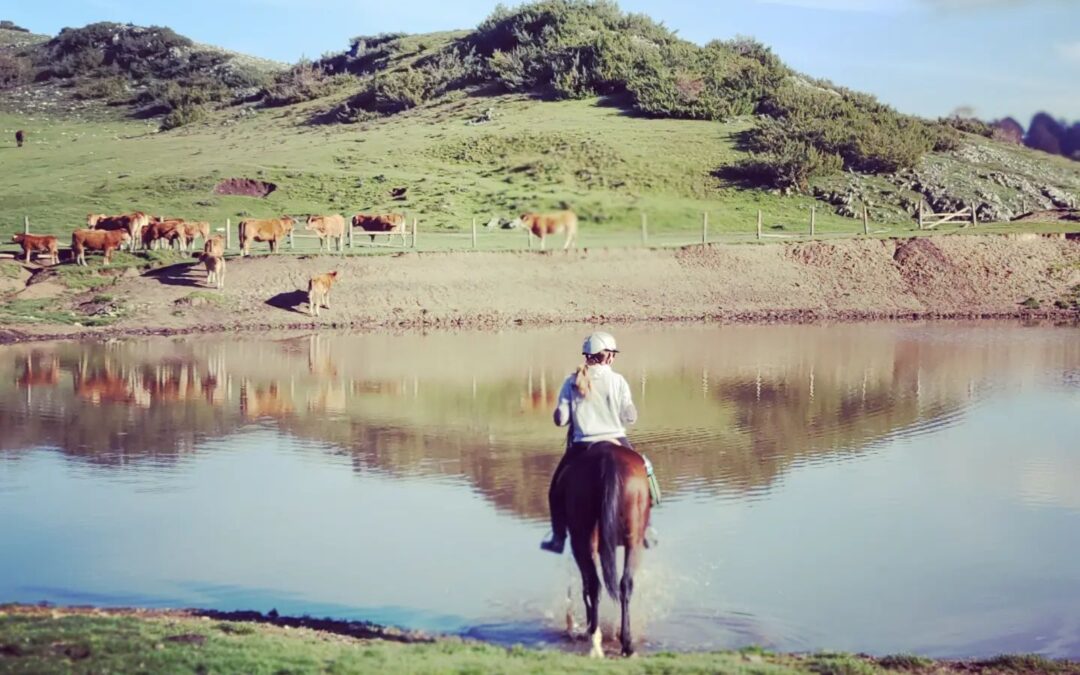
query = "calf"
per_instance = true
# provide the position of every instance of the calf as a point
(106, 241)
(215, 246)
(388, 224)
(39, 243)
(215, 267)
(20, 136)
(327, 228)
(543, 224)
(271, 230)
(318, 291)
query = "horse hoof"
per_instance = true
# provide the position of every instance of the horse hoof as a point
(596, 653)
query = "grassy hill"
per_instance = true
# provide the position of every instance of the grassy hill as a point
(487, 130)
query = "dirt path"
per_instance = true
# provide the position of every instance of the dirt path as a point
(969, 276)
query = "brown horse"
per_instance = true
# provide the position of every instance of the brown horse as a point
(606, 493)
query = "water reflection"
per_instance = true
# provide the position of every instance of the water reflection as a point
(729, 410)
(815, 475)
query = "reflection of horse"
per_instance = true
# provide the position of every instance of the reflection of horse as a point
(606, 493)
(256, 402)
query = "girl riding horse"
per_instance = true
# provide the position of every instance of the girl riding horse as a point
(595, 403)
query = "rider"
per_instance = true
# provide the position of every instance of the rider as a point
(595, 402)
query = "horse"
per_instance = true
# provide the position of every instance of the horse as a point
(606, 497)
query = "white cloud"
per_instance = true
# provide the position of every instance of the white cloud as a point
(1069, 52)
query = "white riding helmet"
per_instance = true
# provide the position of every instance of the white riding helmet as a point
(599, 342)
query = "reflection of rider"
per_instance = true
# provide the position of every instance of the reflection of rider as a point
(595, 401)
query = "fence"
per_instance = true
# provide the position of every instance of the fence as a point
(928, 221)
(477, 237)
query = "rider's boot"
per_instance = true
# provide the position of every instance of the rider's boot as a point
(651, 540)
(555, 544)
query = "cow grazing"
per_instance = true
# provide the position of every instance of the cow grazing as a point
(318, 291)
(105, 241)
(327, 228)
(388, 224)
(215, 267)
(132, 223)
(20, 137)
(544, 224)
(271, 230)
(37, 243)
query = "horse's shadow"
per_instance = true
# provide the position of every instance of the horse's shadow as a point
(289, 301)
(175, 275)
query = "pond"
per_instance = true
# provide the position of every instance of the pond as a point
(869, 487)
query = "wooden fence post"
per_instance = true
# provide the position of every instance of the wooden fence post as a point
(350, 226)
(644, 229)
(759, 224)
(528, 233)
(474, 233)
(920, 214)
(865, 220)
(974, 215)
(292, 242)
(26, 225)
(228, 233)
(415, 227)
(813, 220)
(705, 228)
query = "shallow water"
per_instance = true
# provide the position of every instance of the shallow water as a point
(880, 488)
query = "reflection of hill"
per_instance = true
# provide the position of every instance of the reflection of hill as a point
(722, 408)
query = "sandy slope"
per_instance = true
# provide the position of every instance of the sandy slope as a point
(851, 279)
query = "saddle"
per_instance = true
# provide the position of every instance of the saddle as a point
(654, 485)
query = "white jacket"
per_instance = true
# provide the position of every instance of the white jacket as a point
(601, 415)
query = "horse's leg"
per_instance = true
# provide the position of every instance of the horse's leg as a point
(626, 590)
(590, 591)
(570, 623)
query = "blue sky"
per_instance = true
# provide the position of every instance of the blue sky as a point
(929, 57)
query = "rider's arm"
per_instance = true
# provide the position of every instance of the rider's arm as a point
(627, 411)
(562, 408)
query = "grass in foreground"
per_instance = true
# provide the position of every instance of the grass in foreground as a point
(44, 640)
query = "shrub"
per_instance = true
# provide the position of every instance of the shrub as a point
(304, 81)
(968, 125)
(183, 115)
(14, 70)
(9, 25)
(108, 89)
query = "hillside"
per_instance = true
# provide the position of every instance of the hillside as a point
(605, 112)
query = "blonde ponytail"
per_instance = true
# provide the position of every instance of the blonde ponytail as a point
(581, 380)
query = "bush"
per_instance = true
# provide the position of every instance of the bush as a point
(305, 81)
(968, 125)
(9, 25)
(14, 70)
(108, 89)
(855, 128)
(183, 115)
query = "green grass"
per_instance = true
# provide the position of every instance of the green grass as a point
(50, 310)
(609, 166)
(86, 642)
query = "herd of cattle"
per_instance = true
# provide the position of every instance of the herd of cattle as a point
(105, 234)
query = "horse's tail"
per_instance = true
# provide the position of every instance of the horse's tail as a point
(610, 526)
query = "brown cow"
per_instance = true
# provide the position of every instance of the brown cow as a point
(543, 224)
(271, 230)
(215, 267)
(318, 291)
(20, 136)
(215, 246)
(162, 230)
(190, 231)
(388, 224)
(40, 243)
(97, 240)
(132, 223)
(327, 228)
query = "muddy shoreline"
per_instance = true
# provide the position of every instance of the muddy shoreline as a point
(943, 278)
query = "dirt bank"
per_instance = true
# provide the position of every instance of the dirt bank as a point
(969, 276)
